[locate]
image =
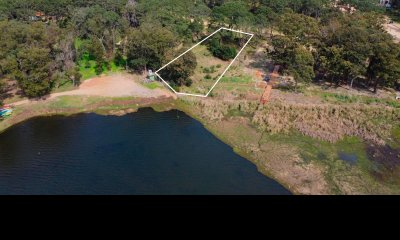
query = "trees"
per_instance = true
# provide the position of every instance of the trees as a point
(340, 47)
(233, 13)
(305, 29)
(34, 76)
(147, 49)
(301, 65)
(97, 52)
(384, 65)
(175, 15)
(179, 71)
(33, 54)
(27, 55)
(131, 14)
(97, 22)
(364, 5)
(294, 59)
(347, 44)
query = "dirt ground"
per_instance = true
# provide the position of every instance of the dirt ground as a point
(116, 85)
(394, 30)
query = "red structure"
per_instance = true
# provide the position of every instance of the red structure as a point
(268, 89)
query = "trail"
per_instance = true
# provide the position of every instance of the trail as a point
(394, 30)
(116, 85)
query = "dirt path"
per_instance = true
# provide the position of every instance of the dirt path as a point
(116, 85)
(394, 30)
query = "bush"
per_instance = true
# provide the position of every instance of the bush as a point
(208, 77)
(221, 51)
(206, 70)
(99, 68)
(119, 59)
(188, 82)
(212, 69)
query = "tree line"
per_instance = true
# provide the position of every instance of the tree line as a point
(310, 38)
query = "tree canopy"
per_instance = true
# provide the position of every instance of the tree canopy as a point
(44, 42)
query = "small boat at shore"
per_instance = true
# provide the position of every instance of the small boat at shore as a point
(5, 111)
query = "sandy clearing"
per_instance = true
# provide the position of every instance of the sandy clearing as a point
(394, 30)
(116, 85)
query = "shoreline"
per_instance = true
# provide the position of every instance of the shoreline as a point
(275, 156)
(85, 104)
(120, 107)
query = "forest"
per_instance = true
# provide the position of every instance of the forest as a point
(47, 42)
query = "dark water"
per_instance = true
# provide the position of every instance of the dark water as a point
(141, 153)
(348, 157)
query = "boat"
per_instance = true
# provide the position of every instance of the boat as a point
(5, 111)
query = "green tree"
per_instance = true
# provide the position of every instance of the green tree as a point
(384, 65)
(98, 22)
(180, 71)
(175, 15)
(294, 58)
(97, 52)
(299, 27)
(302, 65)
(221, 50)
(34, 71)
(233, 13)
(29, 54)
(148, 49)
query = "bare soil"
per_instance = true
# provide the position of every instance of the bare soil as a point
(116, 85)
(394, 30)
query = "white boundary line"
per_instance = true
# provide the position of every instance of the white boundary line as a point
(215, 84)
(188, 50)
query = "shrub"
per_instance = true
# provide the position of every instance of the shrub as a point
(206, 70)
(212, 69)
(221, 51)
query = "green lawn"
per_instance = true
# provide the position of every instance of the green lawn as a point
(88, 68)
(153, 85)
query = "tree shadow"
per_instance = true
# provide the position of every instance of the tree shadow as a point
(10, 92)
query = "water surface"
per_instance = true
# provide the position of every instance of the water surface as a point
(140, 153)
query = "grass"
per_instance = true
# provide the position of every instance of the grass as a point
(88, 69)
(237, 79)
(395, 141)
(208, 68)
(342, 98)
(153, 85)
(66, 105)
(337, 171)
(14, 99)
(65, 102)
(280, 150)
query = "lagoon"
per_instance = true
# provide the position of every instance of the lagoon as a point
(146, 152)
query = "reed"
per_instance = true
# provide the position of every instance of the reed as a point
(330, 122)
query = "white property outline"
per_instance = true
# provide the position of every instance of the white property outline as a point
(215, 84)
